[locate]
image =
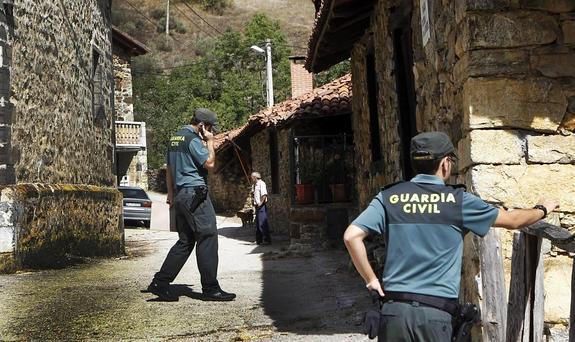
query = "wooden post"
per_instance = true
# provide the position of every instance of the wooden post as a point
(493, 303)
(517, 288)
(572, 313)
(538, 313)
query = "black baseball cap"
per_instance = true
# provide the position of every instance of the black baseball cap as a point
(431, 146)
(207, 116)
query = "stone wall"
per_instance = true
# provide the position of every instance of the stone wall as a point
(499, 78)
(229, 187)
(43, 225)
(61, 58)
(124, 103)
(124, 108)
(279, 202)
(517, 82)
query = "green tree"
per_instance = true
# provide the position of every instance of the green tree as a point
(228, 78)
(336, 71)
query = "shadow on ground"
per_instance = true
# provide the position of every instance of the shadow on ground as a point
(306, 291)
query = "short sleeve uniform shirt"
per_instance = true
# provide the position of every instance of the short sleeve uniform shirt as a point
(186, 157)
(425, 257)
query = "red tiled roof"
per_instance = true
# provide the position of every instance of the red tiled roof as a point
(224, 137)
(329, 99)
(333, 98)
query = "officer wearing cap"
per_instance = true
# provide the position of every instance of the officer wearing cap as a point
(190, 156)
(424, 221)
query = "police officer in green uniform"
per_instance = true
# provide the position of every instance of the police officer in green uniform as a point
(425, 221)
(190, 156)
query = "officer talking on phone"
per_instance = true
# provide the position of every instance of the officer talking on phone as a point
(190, 156)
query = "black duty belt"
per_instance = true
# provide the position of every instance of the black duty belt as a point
(448, 305)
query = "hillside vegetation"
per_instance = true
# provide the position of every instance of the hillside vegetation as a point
(206, 60)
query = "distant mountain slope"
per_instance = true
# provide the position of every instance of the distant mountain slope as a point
(190, 32)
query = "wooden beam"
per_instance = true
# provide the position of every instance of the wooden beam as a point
(342, 25)
(558, 236)
(351, 9)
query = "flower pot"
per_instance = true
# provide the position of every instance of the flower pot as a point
(304, 193)
(338, 192)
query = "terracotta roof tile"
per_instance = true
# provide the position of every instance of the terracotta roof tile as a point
(333, 98)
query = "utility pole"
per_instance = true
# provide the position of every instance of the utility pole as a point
(168, 20)
(269, 81)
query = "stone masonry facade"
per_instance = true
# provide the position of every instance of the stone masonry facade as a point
(280, 201)
(56, 131)
(61, 58)
(124, 106)
(498, 77)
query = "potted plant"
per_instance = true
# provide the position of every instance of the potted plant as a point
(335, 171)
(310, 172)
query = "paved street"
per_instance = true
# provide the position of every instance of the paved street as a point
(283, 295)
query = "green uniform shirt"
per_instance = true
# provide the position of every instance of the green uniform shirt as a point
(424, 256)
(186, 157)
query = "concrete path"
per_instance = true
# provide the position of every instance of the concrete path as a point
(283, 295)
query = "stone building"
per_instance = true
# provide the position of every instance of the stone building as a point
(303, 147)
(497, 76)
(57, 133)
(131, 151)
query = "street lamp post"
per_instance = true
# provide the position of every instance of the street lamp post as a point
(270, 82)
(269, 77)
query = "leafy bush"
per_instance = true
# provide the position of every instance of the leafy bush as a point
(215, 6)
(158, 13)
(336, 71)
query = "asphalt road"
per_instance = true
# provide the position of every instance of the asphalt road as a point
(284, 294)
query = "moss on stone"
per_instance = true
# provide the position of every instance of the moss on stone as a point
(57, 220)
(7, 263)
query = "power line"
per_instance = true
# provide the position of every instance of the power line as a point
(204, 20)
(193, 22)
(157, 71)
(148, 19)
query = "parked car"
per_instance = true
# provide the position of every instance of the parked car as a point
(137, 205)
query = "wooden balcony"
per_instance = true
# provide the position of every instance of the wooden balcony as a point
(130, 136)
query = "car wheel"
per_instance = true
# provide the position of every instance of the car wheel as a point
(147, 224)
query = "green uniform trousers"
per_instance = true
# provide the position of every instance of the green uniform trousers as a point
(412, 322)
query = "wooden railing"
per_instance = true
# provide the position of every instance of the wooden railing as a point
(130, 134)
(521, 317)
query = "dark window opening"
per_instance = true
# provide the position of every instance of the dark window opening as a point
(322, 161)
(274, 161)
(98, 109)
(403, 59)
(372, 96)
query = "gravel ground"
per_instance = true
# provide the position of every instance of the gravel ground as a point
(283, 295)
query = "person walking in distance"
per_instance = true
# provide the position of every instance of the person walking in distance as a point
(190, 156)
(424, 221)
(260, 199)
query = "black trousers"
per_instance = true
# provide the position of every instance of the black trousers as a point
(262, 226)
(194, 228)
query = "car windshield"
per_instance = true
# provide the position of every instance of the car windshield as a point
(134, 193)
